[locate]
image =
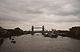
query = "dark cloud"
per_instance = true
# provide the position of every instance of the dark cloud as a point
(34, 6)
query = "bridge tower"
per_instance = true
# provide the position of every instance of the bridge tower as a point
(32, 33)
(43, 31)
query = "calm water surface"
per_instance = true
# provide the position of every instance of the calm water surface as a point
(29, 43)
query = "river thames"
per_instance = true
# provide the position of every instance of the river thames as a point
(39, 43)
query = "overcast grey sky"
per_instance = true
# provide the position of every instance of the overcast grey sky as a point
(58, 14)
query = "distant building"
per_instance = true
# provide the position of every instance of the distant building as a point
(2, 31)
(10, 32)
(75, 31)
(18, 30)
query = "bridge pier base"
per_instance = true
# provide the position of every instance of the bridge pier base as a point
(32, 33)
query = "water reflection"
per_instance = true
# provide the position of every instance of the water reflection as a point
(1, 41)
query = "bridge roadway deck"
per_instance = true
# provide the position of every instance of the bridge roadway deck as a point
(39, 31)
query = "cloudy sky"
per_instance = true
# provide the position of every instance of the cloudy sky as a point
(57, 14)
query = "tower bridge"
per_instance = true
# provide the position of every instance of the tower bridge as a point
(32, 30)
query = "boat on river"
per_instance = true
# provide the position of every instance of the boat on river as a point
(52, 34)
(46, 35)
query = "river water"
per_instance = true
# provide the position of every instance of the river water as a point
(39, 43)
